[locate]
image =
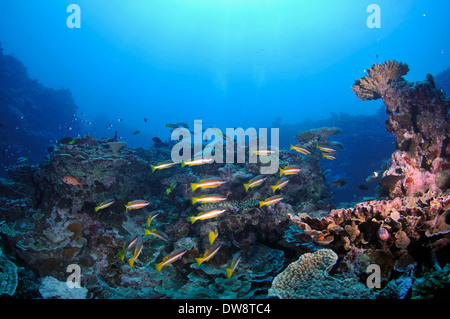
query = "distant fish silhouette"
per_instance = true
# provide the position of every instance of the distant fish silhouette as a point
(157, 140)
(363, 187)
(136, 133)
(338, 183)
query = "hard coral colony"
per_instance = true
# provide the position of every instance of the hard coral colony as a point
(224, 230)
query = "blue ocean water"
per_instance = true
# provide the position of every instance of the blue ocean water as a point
(228, 63)
(134, 67)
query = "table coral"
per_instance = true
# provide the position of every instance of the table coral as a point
(379, 78)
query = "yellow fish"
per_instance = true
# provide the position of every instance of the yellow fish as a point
(172, 186)
(328, 156)
(104, 204)
(263, 152)
(290, 170)
(270, 201)
(234, 262)
(213, 233)
(162, 165)
(255, 181)
(173, 256)
(325, 149)
(209, 254)
(300, 149)
(280, 184)
(136, 204)
(135, 241)
(206, 215)
(199, 161)
(137, 252)
(157, 233)
(151, 217)
(209, 199)
(208, 183)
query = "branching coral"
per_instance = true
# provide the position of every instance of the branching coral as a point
(379, 79)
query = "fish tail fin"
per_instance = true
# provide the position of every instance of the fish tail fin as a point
(146, 232)
(192, 219)
(153, 168)
(121, 255)
(168, 191)
(317, 145)
(274, 188)
(97, 209)
(246, 187)
(131, 262)
(194, 200)
(229, 272)
(194, 186)
(183, 164)
(199, 260)
(158, 267)
(292, 147)
(261, 204)
(281, 171)
(126, 208)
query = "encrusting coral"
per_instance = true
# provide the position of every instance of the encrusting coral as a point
(308, 277)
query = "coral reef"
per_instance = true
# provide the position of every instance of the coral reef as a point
(418, 119)
(379, 79)
(52, 288)
(308, 277)
(27, 109)
(50, 221)
(8, 276)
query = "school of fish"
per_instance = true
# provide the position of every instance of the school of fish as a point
(137, 241)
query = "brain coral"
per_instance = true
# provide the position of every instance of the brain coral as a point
(379, 79)
(309, 268)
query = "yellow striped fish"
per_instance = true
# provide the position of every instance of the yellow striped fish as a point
(157, 233)
(209, 199)
(300, 149)
(280, 184)
(255, 181)
(325, 149)
(162, 165)
(270, 201)
(136, 204)
(213, 233)
(206, 215)
(234, 262)
(170, 258)
(328, 156)
(199, 161)
(104, 204)
(208, 183)
(209, 254)
(290, 170)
